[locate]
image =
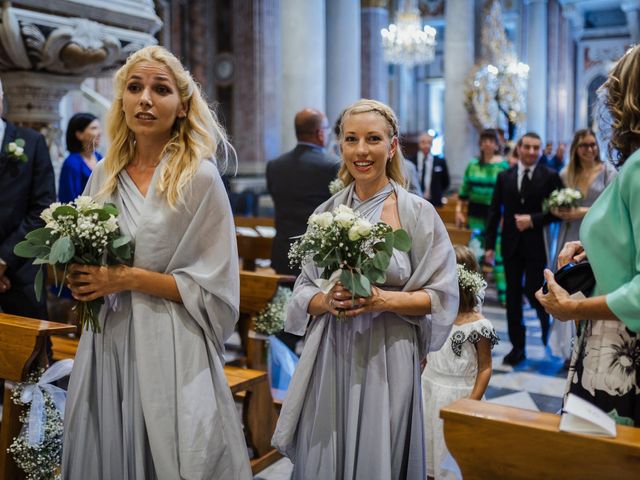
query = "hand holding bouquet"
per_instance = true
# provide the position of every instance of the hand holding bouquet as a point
(83, 232)
(564, 204)
(562, 199)
(349, 249)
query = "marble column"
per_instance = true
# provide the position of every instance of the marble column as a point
(343, 55)
(374, 70)
(632, 10)
(459, 135)
(303, 28)
(537, 60)
(33, 100)
(256, 89)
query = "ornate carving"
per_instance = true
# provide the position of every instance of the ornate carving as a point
(82, 47)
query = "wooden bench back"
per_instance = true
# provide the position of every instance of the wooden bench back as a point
(253, 222)
(493, 441)
(458, 236)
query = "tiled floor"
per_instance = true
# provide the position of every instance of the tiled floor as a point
(536, 384)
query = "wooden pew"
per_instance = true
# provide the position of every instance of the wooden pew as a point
(458, 236)
(256, 291)
(493, 441)
(251, 248)
(22, 349)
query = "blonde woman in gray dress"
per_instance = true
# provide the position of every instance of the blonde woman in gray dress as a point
(354, 409)
(148, 397)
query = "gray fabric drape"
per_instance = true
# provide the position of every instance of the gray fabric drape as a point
(354, 407)
(148, 397)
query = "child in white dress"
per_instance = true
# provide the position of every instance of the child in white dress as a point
(461, 368)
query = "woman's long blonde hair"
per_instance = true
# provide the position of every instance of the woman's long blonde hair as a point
(194, 138)
(395, 165)
(575, 167)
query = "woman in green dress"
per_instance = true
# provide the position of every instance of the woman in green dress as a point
(476, 192)
(605, 365)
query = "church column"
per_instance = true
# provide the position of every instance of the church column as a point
(632, 9)
(343, 55)
(460, 136)
(374, 73)
(255, 79)
(537, 61)
(303, 29)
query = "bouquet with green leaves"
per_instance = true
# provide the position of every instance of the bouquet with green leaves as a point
(349, 249)
(82, 231)
(562, 198)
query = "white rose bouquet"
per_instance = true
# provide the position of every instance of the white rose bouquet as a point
(82, 231)
(562, 199)
(349, 249)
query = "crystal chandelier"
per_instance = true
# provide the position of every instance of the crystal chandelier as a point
(406, 42)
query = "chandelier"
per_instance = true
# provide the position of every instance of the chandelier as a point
(496, 90)
(406, 42)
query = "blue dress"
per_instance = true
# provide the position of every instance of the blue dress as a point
(73, 177)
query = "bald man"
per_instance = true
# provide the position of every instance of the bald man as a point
(298, 182)
(433, 174)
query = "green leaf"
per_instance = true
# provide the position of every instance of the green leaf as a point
(38, 284)
(120, 241)
(388, 242)
(65, 210)
(381, 260)
(346, 277)
(103, 215)
(39, 235)
(41, 261)
(401, 240)
(62, 250)
(19, 142)
(123, 252)
(111, 209)
(26, 249)
(365, 284)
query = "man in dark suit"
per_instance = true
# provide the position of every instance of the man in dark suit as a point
(26, 188)
(298, 182)
(517, 200)
(432, 171)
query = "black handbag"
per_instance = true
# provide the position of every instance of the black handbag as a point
(574, 277)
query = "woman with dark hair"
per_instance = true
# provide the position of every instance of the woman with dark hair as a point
(476, 192)
(83, 136)
(587, 173)
(606, 356)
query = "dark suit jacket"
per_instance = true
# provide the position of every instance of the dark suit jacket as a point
(298, 182)
(25, 190)
(507, 202)
(439, 179)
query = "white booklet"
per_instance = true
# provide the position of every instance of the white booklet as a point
(581, 416)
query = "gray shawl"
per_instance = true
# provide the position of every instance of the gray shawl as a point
(433, 266)
(193, 428)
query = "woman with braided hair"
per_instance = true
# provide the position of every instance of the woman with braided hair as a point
(353, 409)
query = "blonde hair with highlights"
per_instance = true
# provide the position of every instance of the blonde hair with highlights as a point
(395, 164)
(621, 99)
(195, 138)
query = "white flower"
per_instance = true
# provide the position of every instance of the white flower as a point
(18, 151)
(361, 228)
(323, 220)
(344, 209)
(85, 202)
(12, 147)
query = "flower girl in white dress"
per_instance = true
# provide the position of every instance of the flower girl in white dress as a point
(461, 368)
